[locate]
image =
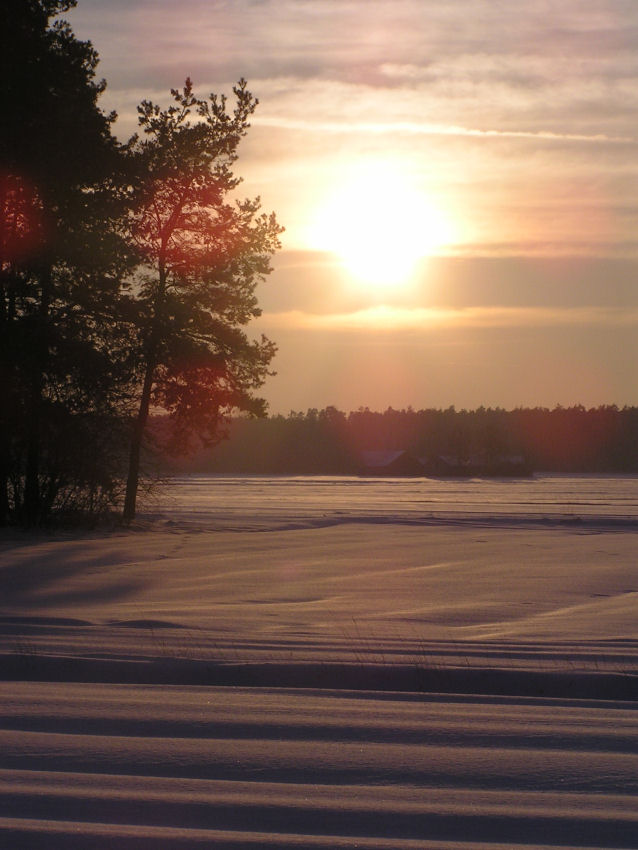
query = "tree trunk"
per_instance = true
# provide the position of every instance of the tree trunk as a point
(33, 508)
(32, 512)
(136, 447)
(4, 499)
(142, 417)
(7, 366)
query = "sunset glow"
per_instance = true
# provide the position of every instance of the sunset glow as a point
(319, 424)
(457, 186)
(379, 225)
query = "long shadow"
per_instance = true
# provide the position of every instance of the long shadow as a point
(29, 579)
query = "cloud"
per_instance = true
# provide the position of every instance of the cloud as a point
(522, 122)
(422, 129)
(314, 284)
(509, 64)
(391, 319)
(518, 117)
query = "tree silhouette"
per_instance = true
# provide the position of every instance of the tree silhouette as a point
(61, 257)
(202, 256)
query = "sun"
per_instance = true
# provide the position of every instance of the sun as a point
(379, 225)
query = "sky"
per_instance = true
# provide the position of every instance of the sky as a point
(458, 180)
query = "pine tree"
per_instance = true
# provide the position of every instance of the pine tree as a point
(61, 260)
(202, 257)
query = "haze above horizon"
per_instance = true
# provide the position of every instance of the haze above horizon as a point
(458, 186)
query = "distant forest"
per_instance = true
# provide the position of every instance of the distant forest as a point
(573, 439)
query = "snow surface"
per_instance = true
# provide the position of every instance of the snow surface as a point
(327, 663)
(260, 502)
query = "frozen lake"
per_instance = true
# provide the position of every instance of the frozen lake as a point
(329, 663)
(224, 501)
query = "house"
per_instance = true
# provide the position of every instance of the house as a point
(390, 463)
(477, 466)
(444, 466)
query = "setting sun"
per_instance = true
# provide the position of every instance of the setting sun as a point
(379, 225)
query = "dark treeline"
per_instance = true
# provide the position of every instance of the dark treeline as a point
(602, 439)
(126, 275)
